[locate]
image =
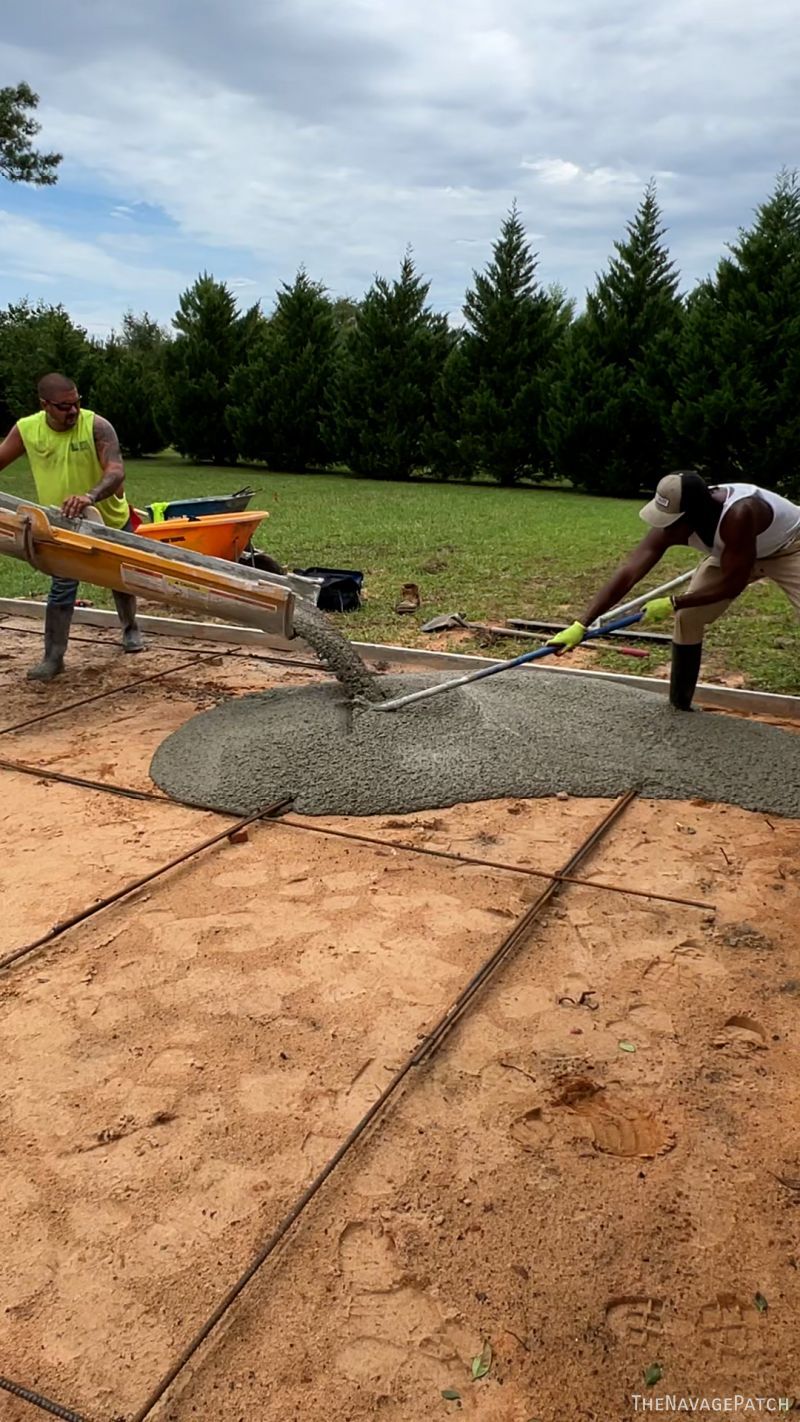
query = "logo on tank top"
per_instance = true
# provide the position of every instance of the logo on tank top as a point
(79, 446)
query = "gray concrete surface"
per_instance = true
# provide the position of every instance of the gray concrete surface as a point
(516, 734)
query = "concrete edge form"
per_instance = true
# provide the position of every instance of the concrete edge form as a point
(725, 698)
(162, 626)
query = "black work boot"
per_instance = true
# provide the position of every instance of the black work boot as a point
(56, 635)
(683, 674)
(126, 612)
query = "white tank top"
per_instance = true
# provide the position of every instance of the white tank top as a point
(784, 527)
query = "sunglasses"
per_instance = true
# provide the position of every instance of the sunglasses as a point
(65, 405)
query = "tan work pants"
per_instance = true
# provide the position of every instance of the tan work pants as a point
(782, 568)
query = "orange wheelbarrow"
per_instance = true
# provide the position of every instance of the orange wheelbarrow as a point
(225, 536)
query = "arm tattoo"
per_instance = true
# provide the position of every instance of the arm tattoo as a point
(107, 445)
(110, 456)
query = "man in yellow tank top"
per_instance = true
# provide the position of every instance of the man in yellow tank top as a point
(77, 467)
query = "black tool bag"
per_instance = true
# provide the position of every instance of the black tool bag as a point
(341, 588)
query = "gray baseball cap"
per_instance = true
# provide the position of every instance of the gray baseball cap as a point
(665, 507)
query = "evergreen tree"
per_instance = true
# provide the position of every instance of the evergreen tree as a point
(128, 385)
(34, 340)
(445, 449)
(609, 423)
(283, 396)
(392, 358)
(345, 315)
(19, 160)
(738, 414)
(490, 400)
(212, 340)
(144, 335)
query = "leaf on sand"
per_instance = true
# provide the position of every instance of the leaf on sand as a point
(482, 1363)
(626, 1047)
(653, 1374)
(450, 1395)
(761, 1303)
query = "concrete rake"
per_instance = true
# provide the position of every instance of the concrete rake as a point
(399, 702)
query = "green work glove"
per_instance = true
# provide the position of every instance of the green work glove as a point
(657, 611)
(569, 638)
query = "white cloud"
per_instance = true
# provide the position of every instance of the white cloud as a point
(561, 172)
(29, 248)
(270, 135)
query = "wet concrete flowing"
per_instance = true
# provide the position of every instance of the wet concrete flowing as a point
(517, 734)
(337, 654)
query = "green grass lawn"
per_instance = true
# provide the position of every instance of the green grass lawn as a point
(486, 552)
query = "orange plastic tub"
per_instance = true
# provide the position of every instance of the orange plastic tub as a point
(218, 535)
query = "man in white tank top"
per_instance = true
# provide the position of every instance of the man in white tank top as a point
(745, 532)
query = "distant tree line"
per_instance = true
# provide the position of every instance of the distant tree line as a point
(643, 380)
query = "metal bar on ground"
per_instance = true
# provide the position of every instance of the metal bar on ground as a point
(19, 767)
(102, 695)
(445, 1024)
(59, 928)
(427, 1048)
(452, 855)
(82, 783)
(45, 1404)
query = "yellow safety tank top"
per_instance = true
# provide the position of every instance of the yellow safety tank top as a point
(65, 462)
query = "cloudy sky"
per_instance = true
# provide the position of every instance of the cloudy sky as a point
(335, 134)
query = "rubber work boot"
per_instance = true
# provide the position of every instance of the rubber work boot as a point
(410, 599)
(56, 635)
(125, 604)
(683, 674)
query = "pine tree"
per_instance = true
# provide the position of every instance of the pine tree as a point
(738, 414)
(445, 450)
(34, 340)
(212, 340)
(392, 358)
(491, 397)
(609, 424)
(283, 396)
(19, 160)
(345, 315)
(128, 385)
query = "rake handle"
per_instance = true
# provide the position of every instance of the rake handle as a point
(521, 660)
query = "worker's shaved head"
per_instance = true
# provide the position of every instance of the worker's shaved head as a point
(60, 401)
(55, 386)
